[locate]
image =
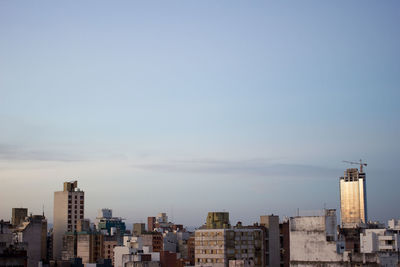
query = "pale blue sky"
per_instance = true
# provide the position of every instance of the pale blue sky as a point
(194, 106)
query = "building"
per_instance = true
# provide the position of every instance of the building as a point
(84, 243)
(18, 216)
(110, 225)
(217, 247)
(68, 210)
(138, 229)
(313, 240)
(142, 256)
(218, 220)
(353, 198)
(32, 232)
(151, 224)
(284, 243)
(271, 224)
(191, 250)
(153, 240)
(89, 246)
(109, 243)
(379, 240)
(11, 253)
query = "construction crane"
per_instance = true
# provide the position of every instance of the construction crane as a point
(361, 164)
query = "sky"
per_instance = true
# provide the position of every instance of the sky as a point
(187, 107)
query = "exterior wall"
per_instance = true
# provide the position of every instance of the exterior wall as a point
(217, 220)
(108, 249)
(35, 235)
(143, 264)
(191, 249)
(210, 248)
(271, 223)
(285, 244)
(118, 252)
(83, 248)
(60, 224)
(68, 210)
(168, 259)
(18, 215)
(379, 240)
(170, 242)
(353, 198)
(240, 263)
(89, 247)
(6, 235)
(157, 242)
(151, 223)
(215, 247)
(310, 241)
(138, 228)
(69, 246)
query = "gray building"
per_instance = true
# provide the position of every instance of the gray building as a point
(33, 234)
(271, 223)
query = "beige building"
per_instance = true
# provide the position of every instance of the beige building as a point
(90, 246)
(217, 247)
(353, 198)
(109, 243)
(138, 228)
(68, 210)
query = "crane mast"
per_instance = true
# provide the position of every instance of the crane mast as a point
(361, 164)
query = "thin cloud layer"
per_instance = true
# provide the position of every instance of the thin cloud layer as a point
(253, 167)
(17, 153)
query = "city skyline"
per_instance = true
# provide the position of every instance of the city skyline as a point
(160, 107)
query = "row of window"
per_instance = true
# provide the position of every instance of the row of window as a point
(210, 260)
(76, 197)
(221, 251)
(222, 242)
(76, 207)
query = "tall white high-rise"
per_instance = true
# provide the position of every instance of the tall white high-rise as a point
(68, 210)
(353, 198)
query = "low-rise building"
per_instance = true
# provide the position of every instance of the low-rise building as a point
(216, 247)
(313, 240)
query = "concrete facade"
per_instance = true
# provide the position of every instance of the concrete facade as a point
(89, 247)
(313, 240)
(216, 247)
(218, 220)
(138, 228)
(68, 209)
(151, 224)
(271, 223)
(33, 232)
(379, 240)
